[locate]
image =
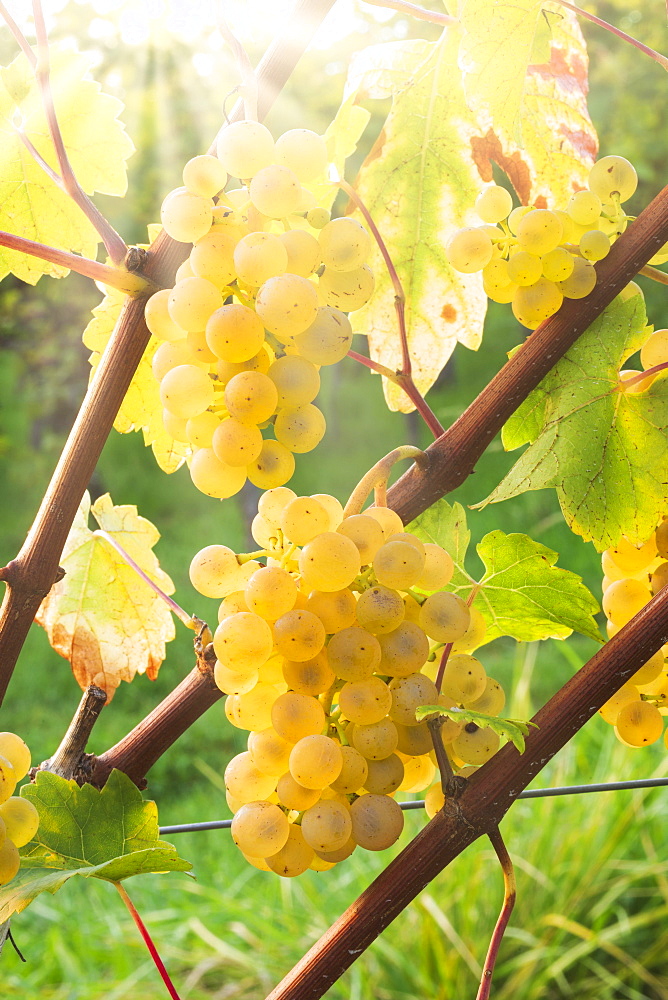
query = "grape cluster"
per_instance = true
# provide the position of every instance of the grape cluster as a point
(633, 575)
(325, 653)
(18, 817)
(256, 309)
(534, 257)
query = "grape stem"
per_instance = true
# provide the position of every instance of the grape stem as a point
(404, 377)
(640, 377)
(115, 277)
(447, 649)
(509, 896)
(449, 783)
(127, 558)
(654, 272)
(115, 244)
(248, 88)
(414, 11)
(148, 941)
(67, 758)
(656, 56)
(18, 35)
(376, 478)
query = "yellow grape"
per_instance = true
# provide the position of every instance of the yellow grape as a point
(377, 821)
(613, 175)
(234, 333)
(347, 290)
(639, 723)
(260, 829)
(13, 749)
(336, 609)
(445, 617)
(296, 379)
(273, 467)
(353, 653)
(330, 561)
(300, 429)
(295, 715)
(294, 858)
(327, 339)
(469, 249)
(581, 281)
(10, 862)
(365, 532)
(293, 795)
(212, 258)
(245, 782)
(475, 745)
(623, 599)
(315, 761)
(654, 351)
(494, 204)
(312, 676)
(236, 443)
(366, 701)
(345, 244)
(287, 305)
(380, 609)
(21, 820)
(385, 776)
(539, 231)
(327, 826)
(213, 477)
(245, 147)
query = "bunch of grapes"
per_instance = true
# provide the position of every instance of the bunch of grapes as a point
(325, 653)
(257, 308)
(633, 575)
(534, 257)
(18, 817)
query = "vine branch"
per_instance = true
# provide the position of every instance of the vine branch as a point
(656, 56)
(509, 896)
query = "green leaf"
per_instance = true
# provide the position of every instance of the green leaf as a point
(605, 452)
(512, 730)
(31, 203)
(110, 834)
(522, 593)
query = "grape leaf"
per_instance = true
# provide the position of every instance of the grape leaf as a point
(341, 136)
(524, 66)
(522, 593)
(141, 408)
(605, 452)
(512, 730)
(419, 182)
(110, 834)
(31, 203)
(102, 616)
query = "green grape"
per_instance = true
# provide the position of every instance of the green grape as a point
(385, 776)
(464, 679)
(654, 351)
(10, 862)
(258, 257)
(235, 443)
(516, 217)
(491, 701)
(376, 740)
(157, 317)
(13, 749)
(199, 430)
(639, 723)
(414, 741)
(408, 694)
(318, 218)
(418, 773)
(398, 565)
(557, 265)
(524, 268)
(444, 617)
(584, 208)
(212, 258)
(333, 508)
(274, 466)
(192, 301)
(295, 857)
(302, 519)
(313, 676)
(253, 709)
(366, 701)
(387, 518)
(295, 715)
(594, 245)
(494, 204)
(299, 635)
(613, 176)
(475, 745)
(327, 825)
(213, 572)
(539, 231)
(204, 175)
(244, 147)
(260, 829)
(328, 339)
(300, 429)
(186, 391)
(336, 610)
(624, 599)
(296, 379)
(434, 800)
(315, 761)
(404, 650)
(186, 217)
(243, 641)
(287, 305)
(231, 681)
(21, 820)
(438, 568)
(213, 477)
(469, 249)
(380, 610)
(496, 274)
(631, 558)
(344, 244)
(347, 290)
(353, 653)
(503, 294)
(275, 191)
(303, 251)
(245, 782)
(365, 532)
(537, 302)
(303, 151)
(377, 821)
(330, 561)
(251, 397)
(170, 355)
(611, 709)
(271, 592)
(234, 333)
(571, 231)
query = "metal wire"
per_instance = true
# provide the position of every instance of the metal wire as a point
(532, 793)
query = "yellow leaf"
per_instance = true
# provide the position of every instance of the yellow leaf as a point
(102, 616)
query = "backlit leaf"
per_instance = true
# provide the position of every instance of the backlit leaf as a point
(512, 730)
